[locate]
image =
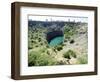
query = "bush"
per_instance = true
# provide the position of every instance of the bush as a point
(45, 60)
(59, 48)
(41, 43)
(30, 45)
(65, 40)
(72, 41)
(36, 46)
(67, 37)
(47, 46)
(69, 54)
(40, 59)
(39, 39)
(66, 55)
(32, 58)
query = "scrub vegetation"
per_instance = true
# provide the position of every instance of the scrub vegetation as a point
(72, 50)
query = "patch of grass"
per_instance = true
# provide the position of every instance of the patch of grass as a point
(61, 63)
(83, 59)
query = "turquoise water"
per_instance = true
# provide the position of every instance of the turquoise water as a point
(56, 41)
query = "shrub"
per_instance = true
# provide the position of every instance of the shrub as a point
(59, 47)
(45, 60)
(47, 46)
(66, 55)
(32, 58)
(41, 43)
(63, 44)
(72, 41)
(67, 37)
(40, 59)
(39, 39)
(69, 54)
(32, 41)
(30, 45)
(65, 40)
(36, 46)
